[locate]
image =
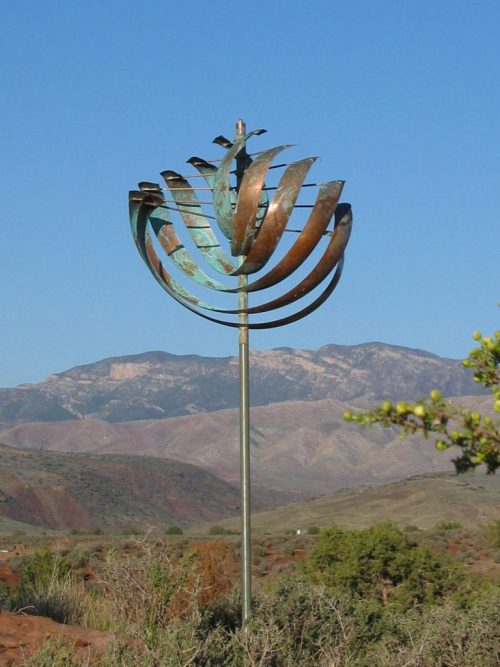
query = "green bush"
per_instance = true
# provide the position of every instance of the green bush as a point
(381, 562)
(493, 534)
(174, 530)
(448, 525)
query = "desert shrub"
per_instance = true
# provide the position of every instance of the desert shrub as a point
(411, 528)
(381, 562)
(49, 588)
(448, 525)
(145, 593)
(444, 636)
(174, 530)
(56, 652)
(492, 531)
(214, 567)
(167, 610)
(220, 530)
(313, 530)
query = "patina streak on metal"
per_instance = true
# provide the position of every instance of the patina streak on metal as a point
(165, 232)
(170, 242)
(208, 171)
(223, 193)
(197, 224)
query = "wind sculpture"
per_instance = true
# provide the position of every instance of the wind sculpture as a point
(253, 218)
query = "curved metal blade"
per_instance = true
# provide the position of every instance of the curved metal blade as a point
(245, 218)
(307, 240)
(208, 171)
(197, 224)
(165, 233)
(139, 215)
(308, 309)
(277, 216)
(332, 255)
(223, 208)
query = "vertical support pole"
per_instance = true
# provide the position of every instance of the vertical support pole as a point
(246, 572)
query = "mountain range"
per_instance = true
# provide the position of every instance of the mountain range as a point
(183, 408)
(159, 385)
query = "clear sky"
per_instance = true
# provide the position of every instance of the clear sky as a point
(400, 99)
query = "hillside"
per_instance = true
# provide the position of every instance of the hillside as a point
(420, 501)
(299, 447)
(158, 385)
(64, 491)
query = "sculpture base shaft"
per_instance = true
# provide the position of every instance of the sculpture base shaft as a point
(246, 573)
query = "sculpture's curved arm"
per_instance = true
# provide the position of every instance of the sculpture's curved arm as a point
(332, 255)
(308, 238)
(197, 224)
(245, 217)
(279, 211)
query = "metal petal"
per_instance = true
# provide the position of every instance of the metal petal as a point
(197, 224)
(165, 233)
(277, 216)
(222, 187)
(308, 309)
(308, 238)
(332, 255)
(209, 171)
(249, 194)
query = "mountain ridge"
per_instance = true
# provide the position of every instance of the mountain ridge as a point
(159, 385)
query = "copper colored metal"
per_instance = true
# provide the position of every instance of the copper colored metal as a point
(253, 225)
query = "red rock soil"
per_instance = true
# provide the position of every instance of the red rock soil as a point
(21, 636)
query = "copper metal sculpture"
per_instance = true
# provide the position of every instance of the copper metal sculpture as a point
(254, 224)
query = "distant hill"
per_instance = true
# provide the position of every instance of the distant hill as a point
(302, 447)
(421, 501)
(158, 385)
(64, 491)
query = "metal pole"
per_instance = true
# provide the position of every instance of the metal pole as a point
(246, 573)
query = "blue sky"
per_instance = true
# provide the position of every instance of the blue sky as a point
(399, 99)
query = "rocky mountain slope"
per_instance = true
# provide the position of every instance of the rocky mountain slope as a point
(303, 447)
(158, 385)
(64, 491)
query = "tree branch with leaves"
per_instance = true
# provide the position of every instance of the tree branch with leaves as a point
(477, 435)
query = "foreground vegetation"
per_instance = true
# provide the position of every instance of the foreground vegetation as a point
(332, 598)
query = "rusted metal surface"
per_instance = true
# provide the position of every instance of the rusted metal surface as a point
(253, 223)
